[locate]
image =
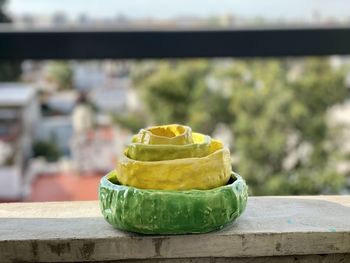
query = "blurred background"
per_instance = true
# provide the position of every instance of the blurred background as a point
(64, 123)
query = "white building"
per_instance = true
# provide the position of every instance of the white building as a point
(19, 115)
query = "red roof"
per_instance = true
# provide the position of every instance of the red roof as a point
(65, 187)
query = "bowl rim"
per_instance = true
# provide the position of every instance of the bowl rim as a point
(206, 141)
(183, 160)
(148, 133)
(105, 182)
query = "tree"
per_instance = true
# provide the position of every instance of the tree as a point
(177, 92)
(61, 74)
(9, 70)
(280, 126)
(133, 121)
(275, 108)
(47, 149)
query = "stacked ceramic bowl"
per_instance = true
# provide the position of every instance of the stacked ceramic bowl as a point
(172, 181)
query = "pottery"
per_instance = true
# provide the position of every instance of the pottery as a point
(180, 174)
(202, 164)
(171, 212)
(202, 146)
(172, 181)
(173, 134)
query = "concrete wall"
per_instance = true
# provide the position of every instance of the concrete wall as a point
(273, 229)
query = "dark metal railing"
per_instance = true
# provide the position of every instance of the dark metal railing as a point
(137, 44)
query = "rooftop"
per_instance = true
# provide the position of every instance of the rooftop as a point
(64, 187)
(15, 94)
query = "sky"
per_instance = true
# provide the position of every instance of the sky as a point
(289, 9)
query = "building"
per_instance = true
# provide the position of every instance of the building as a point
(19, 115)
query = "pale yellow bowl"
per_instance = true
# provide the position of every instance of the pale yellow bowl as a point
(204, 173)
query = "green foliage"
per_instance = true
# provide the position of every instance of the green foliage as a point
(275, 108)
(176, 92)
(269, 110)
(61, 73)
(10, 70)
(46, 149)
(133, 121)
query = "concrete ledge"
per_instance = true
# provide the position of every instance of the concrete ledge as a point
(273, 229)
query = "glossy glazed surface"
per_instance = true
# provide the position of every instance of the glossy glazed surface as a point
(202, 145)
(202, 164)
(173, 134)
(171, 212)
(180, 174)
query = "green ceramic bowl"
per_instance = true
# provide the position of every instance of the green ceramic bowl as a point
(171, 212)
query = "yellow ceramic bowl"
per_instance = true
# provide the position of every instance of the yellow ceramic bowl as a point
(202, 146)
(206, 172)
(173, 134)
